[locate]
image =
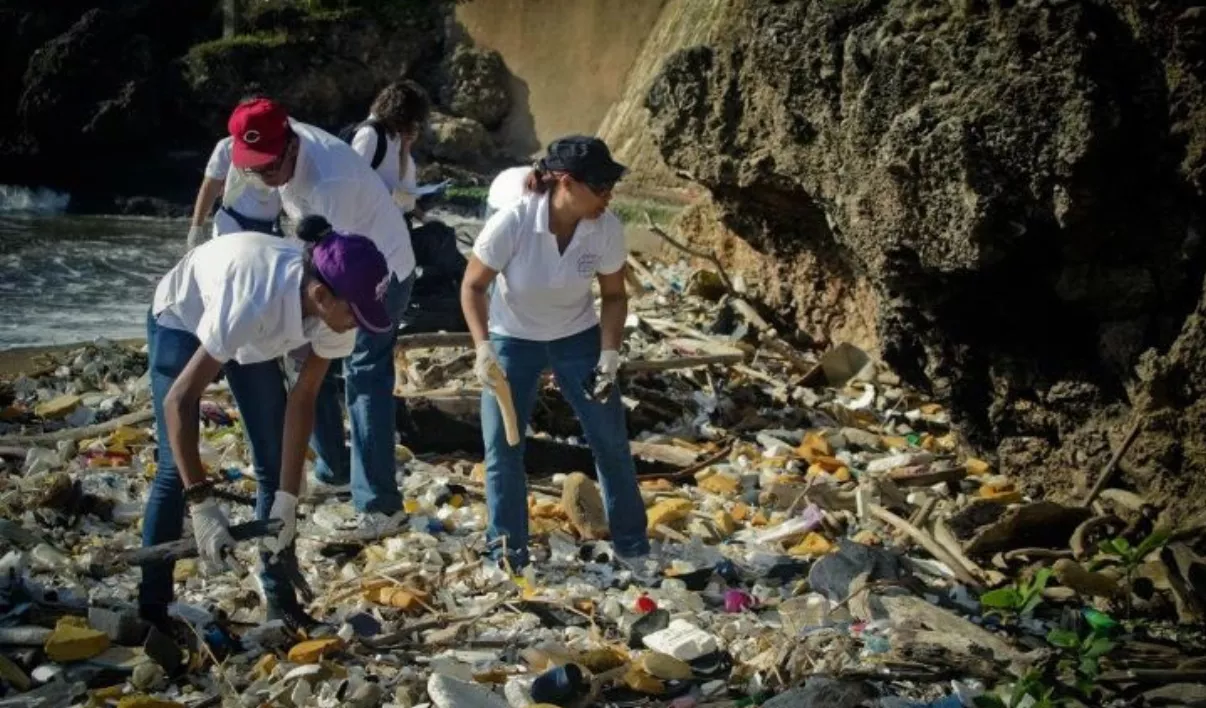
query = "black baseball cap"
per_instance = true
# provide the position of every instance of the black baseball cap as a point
(586, 158)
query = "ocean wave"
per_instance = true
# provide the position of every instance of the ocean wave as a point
(34, 200)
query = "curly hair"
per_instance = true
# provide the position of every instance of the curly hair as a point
(402, 105)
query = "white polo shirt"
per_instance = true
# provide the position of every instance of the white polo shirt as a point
(541, 294)
(334, 181)
(242, 298)
(248, 199)
(506, 188)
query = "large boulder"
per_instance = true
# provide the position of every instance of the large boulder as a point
(475, 85)
(461, 141)
(1018, 182)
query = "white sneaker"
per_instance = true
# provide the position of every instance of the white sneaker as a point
(644, 567)
(374, 524)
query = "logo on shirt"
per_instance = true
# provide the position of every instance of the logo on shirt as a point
(588, 264)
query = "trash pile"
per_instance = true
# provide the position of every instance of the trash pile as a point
(822, 538)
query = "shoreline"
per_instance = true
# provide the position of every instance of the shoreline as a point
(22, 360)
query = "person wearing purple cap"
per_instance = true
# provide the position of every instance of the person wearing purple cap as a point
(542, 254)
(236, 305)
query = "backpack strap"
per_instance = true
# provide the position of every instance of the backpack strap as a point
(382, 142)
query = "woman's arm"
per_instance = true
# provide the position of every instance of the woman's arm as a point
(299, 421)
(181, 414)
(614, 294)
(474, 302)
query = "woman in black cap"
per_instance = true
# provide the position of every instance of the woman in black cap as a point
(542, 254)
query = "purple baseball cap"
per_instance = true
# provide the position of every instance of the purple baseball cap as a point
(355, 270)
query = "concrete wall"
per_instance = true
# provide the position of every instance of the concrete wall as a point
(570, 59)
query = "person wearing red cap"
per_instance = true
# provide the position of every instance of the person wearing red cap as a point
(244, 205)
(236, 305)
(317, 173)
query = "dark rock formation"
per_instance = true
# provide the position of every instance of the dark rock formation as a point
(111, 101)
(1021, 183)
(475, 85)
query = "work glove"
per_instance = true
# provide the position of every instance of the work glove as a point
(600, 383)
(214, 542)
(196, 235)
(486, 360)
(284, 507)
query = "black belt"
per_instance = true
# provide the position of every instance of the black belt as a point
(264, 226)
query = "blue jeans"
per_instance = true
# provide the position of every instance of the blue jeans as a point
(369, 382)
(572, 360)
(259, 391)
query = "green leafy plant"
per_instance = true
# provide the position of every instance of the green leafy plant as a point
(1031, 687)
(1081, 656)
(1018, 599)
(1130, 557)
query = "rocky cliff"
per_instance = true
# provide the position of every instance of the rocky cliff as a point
(1017, 187)
(108, 100)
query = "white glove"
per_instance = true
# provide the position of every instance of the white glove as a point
(486, 358)
(214, 542)
(605, 376)
(284, 507)
(196, 234)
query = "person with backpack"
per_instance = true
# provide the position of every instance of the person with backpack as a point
(385, 140)
(316, 173)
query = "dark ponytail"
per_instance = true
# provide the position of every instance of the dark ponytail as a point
(540, 179)
(313, 229)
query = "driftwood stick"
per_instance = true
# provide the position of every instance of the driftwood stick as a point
(187, 547)
(702, 255)
(88, 431)
(928, 543)
(1108, 470)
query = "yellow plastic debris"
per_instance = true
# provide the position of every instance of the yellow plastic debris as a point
(894, 442)
(311, 651)
(604, 659)
(759, 519)
(931, 408)
(813, 544)
(814, 445)
(393, 596)
(668, 511)
(741, 511)
(725, 523)
(57, 408)
(1000, 490)
(866, 537)
(143, 701)
(74, 640)
(977, 467)
(664, 666)
(642, 682)
(478, 474)
(842, 474)
(722, 484)
(185, 569)
(403, 453)
(411, 506)
(265, 666)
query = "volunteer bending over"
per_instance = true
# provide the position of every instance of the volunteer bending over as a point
(238, 304)
(542, 255)
(244, 204)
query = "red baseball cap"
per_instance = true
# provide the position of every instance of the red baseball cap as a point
(260, 132)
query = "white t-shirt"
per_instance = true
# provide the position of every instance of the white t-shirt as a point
(248, 199)
(390, 169)
(541, 294)
(242, 298)
(333, 181)
(507, 187)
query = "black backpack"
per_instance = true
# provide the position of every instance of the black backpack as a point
(349, 133)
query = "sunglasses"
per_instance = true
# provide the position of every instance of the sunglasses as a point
(600, 188)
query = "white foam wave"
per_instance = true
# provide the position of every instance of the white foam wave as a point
(36, 200)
